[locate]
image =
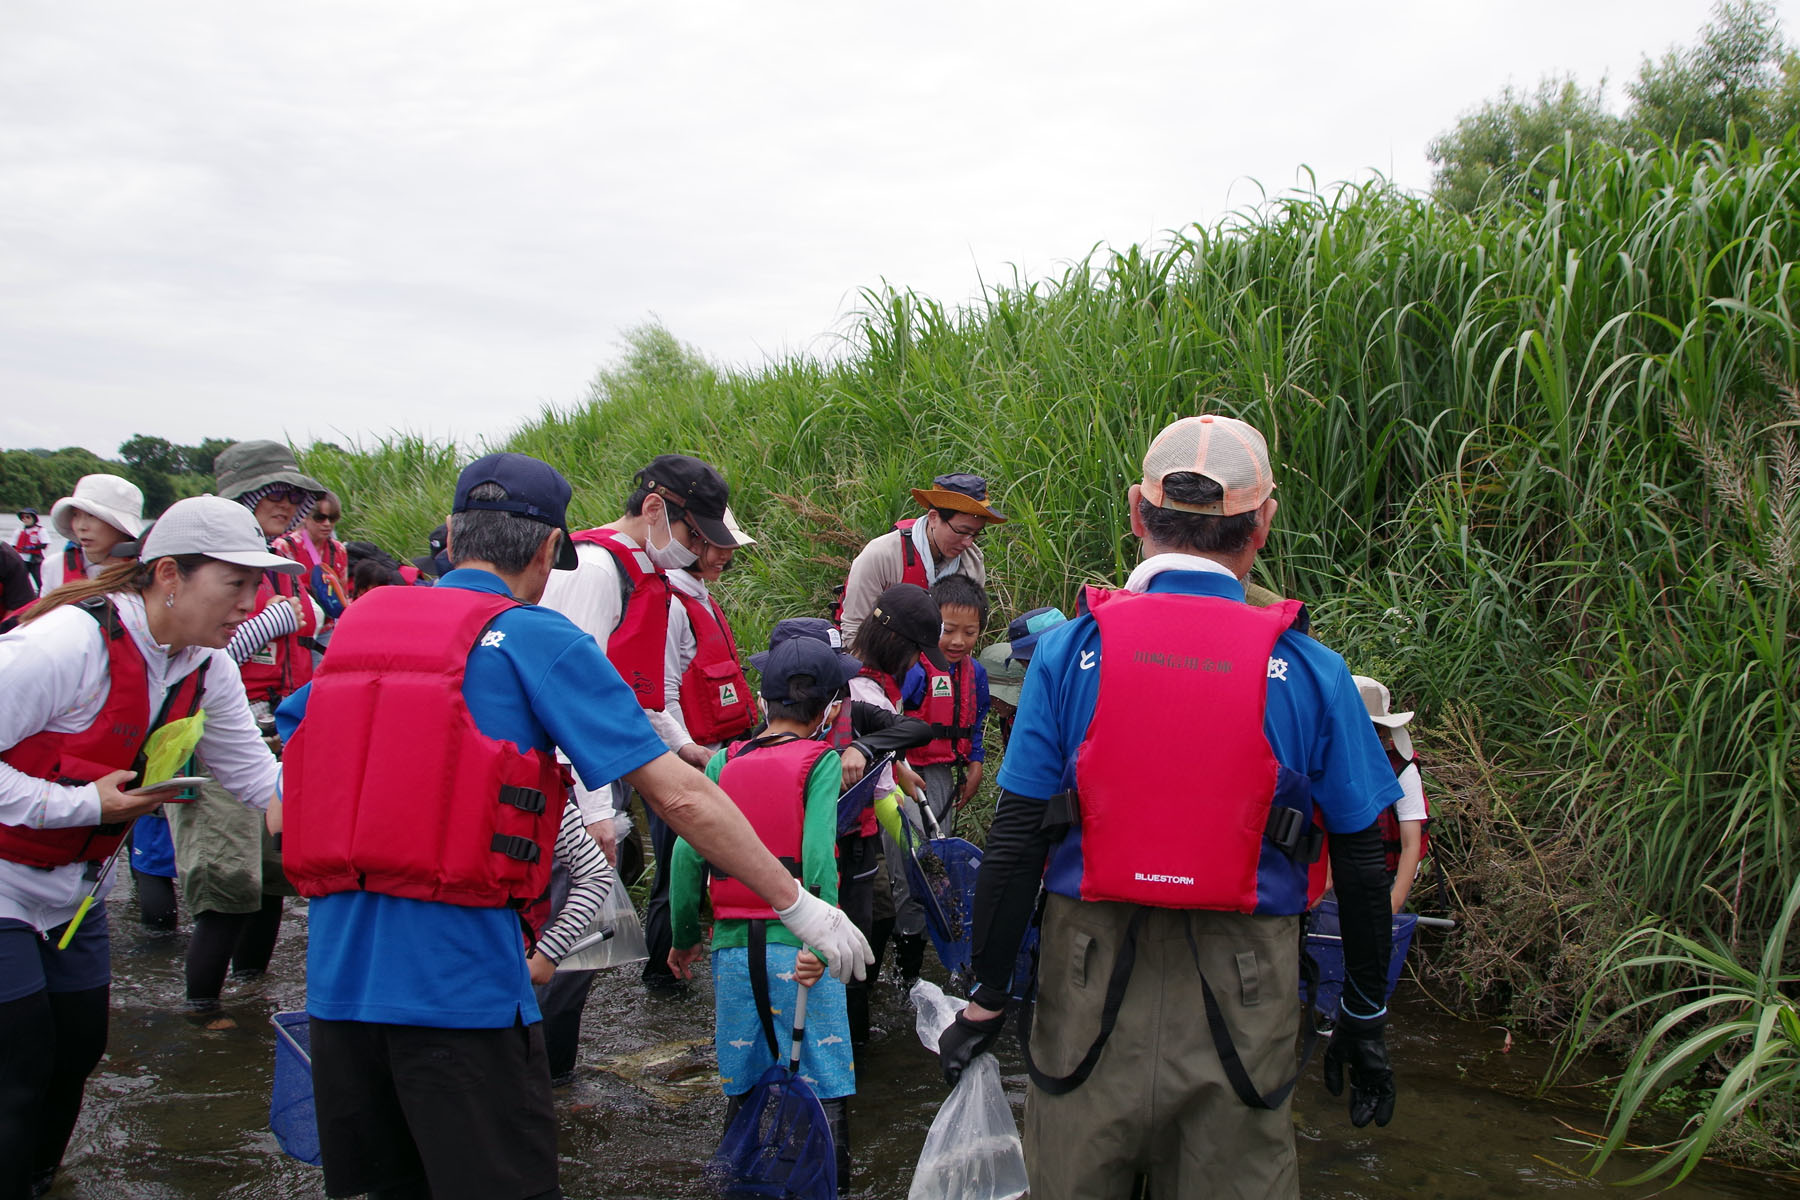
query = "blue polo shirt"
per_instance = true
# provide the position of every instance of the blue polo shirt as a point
(1314, 719)
(540, 683)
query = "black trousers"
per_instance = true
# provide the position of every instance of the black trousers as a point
(452, 1114)
(659, 931)
(859, 858)
(49, 1043)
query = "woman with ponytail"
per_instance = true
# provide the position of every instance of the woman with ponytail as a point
(100, 688)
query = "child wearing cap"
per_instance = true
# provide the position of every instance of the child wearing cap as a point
(1006, 661)
(1403, 823)
(786, 780)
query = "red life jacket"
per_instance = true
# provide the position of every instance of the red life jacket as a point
(912, 570)
(889, 688)
(74, 563)
(279, 669)
(335, 557)
(637, 645)
(391, 787)
(1176, 777)
(112, 743)
(716, 703)
(767, 780)
(1388, 820)
(949, 706)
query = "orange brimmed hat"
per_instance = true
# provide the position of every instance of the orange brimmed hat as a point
(1224, 450)
(964, 493)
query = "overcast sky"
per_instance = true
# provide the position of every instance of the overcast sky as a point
(337, 220)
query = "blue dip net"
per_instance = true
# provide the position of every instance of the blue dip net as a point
(291, 1098)
(941, 873)
(778, 1144)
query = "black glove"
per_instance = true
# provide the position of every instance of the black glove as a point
(1359, 1044)
(962, 1040)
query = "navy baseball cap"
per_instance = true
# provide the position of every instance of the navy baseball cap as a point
(816, 628)
(535, 490)
(830, 671)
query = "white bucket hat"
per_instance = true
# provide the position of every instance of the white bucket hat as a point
(218, 528)
(1375, 698)
(116, 501)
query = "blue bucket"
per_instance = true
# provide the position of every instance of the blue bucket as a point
(1326, 945)
(291, 1114)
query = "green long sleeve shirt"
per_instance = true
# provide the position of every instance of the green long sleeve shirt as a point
(818, 863)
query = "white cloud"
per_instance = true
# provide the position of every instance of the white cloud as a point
(240, 219)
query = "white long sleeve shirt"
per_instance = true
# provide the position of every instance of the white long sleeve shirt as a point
(592, 596)
(54, 677)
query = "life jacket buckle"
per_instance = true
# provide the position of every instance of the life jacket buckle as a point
(1061, 811)
(523, 849)
(1294, 834)
(523, 798)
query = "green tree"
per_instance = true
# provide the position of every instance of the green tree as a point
(1732, 79)
(198, 460)
(1490, 151)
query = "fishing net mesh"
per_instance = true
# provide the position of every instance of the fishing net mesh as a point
(778, 1144)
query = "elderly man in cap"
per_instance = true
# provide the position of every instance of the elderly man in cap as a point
(620, 594)
(429, 1069)
(1173, 745)
(922, 550)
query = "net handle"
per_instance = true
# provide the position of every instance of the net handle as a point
(799, 1036)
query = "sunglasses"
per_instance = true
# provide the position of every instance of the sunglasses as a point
(323, 516)
(292, 495)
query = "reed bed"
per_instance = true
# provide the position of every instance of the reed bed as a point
(1537, 470)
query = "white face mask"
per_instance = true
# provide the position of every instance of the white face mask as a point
(671, 555)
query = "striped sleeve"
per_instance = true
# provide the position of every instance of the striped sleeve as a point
(277, 619)
(590, 878)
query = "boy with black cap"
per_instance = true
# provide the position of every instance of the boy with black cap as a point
(620, 595)
(922, 550)
(786, 780)
(429, 1069)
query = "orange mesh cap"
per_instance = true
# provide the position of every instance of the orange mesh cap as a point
(1225, 450)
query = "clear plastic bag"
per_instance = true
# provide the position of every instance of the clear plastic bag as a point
(973, 1150)
(626, 945)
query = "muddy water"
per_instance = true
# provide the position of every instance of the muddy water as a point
(178, 1110)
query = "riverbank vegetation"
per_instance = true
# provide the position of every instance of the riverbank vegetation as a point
(1539, 470)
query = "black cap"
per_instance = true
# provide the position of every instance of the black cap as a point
(800, 655)
(440, 537)
(535, 490)
(697, 488)
(909, 611)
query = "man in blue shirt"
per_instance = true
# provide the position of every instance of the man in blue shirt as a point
(1171, 749)
(428, 1057)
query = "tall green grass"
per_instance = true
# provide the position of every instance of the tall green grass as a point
(1536, 467)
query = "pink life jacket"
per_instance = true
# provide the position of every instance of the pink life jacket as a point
(911, 569)
(1176, 777)
(279, 669)
(949, 707)
(111, 743)
(390, 785)
(716, 704)
(767, 780)
(637, 645)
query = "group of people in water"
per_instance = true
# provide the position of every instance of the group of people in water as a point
(243, 702)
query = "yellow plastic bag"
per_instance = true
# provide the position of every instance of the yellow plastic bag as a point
(167, 750)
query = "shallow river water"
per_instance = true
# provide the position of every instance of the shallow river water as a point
(180, 1111)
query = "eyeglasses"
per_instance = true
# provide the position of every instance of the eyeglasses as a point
(960, 532)
(292, 495)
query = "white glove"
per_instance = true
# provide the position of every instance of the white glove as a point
(827, 932)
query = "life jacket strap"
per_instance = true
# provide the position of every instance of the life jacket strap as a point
(1295, 834)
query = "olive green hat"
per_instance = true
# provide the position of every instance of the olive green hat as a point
(245, 467)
